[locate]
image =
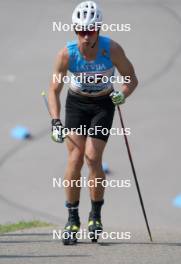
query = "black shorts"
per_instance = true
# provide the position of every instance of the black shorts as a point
(89, 116)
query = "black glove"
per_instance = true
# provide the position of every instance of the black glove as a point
(58, 133)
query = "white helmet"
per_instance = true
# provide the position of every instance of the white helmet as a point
(86, 15)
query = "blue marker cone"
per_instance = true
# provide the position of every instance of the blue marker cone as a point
(105, 168)
(177, 201)
(20, 132)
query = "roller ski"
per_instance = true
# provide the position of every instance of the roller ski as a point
(72, 226)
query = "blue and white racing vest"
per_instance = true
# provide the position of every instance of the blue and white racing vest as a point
(91, 76)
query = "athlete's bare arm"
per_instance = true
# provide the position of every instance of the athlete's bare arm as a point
(55, 88)
(124, 67)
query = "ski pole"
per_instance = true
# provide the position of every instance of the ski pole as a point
(134, 173)
(43, 94)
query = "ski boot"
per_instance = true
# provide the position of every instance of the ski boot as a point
(95, 227)
(72, 227)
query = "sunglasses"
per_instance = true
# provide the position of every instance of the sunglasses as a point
(83, 33)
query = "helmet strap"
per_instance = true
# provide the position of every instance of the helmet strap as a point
(96, 40)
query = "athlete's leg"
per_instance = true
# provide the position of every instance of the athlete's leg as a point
(93, 153)
(76, 146)
(94, 150)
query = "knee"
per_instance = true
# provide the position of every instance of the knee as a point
(93, 162)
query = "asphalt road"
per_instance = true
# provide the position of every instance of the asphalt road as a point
(28, 49)
(37, 246)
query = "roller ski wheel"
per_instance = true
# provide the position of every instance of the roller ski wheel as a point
(95, 229)
(69, 235)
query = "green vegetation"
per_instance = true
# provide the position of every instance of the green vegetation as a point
(21, 225)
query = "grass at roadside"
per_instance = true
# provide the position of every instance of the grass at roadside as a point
(22, 225)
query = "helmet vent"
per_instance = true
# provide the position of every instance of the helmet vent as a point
(87, 13)
(92, 14)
